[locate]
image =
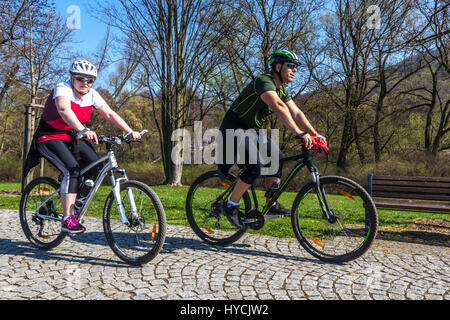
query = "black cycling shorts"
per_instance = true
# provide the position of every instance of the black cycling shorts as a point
(248, 146)
(60, 154)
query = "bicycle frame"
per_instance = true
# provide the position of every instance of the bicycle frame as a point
(109, 168)
(305, 161)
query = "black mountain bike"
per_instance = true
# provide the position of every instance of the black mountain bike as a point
(134, 221)
(333, 217)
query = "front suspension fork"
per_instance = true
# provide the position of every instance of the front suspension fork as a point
(321, 196)
(130, 196)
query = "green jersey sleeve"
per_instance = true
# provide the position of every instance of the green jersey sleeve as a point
(266, 83)
(263, 84)
(284, 94)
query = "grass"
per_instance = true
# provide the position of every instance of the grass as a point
(174, 198)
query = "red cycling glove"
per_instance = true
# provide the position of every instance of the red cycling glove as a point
(319, 146)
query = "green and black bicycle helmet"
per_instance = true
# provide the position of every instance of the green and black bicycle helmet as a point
(283, 56)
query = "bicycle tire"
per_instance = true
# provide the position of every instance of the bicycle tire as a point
(147, 232)
(199, 209)
(354, 230)
(38, 230)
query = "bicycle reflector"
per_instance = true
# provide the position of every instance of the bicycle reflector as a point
(320, 244)
(224, 184)
(154, 231)
(348, 195)
(209, 230)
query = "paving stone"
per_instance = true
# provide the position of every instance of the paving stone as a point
(255, 267)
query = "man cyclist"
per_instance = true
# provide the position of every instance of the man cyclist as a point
(265, 95)
(63, 124)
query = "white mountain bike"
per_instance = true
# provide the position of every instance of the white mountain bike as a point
(134, 221)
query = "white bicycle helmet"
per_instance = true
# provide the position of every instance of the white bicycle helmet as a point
(83, 67)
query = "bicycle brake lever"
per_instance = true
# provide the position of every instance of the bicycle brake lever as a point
(127, 137)
(101, 138)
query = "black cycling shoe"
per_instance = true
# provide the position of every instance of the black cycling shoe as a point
(232, 213)
(278, 209)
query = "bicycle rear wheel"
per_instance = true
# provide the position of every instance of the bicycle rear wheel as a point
(43, 233)
(205, 195)
(143, 239)
(353, 224)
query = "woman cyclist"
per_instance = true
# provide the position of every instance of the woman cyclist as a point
(63, 124)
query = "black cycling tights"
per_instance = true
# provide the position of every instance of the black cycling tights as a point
(249, 149)
(60, 154)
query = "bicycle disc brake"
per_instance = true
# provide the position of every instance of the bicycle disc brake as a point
(137, 223)
(336, 219)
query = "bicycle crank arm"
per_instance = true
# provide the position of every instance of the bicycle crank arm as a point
(270, 216)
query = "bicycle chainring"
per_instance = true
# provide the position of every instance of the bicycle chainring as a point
(254, 214)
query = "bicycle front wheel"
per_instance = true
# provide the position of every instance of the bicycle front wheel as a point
(42, 226)
(142, 240)
(350, 228)
(204, 197)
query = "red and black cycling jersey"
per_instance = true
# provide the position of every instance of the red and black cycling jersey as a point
(52, 125)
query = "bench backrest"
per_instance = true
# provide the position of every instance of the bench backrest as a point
(404, 187)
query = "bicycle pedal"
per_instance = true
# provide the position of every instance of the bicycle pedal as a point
(271, 216)
(75, 234)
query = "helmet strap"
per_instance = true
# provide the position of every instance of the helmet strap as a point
(281, 69)
(80, 93)
(73, 87)
(279, 73)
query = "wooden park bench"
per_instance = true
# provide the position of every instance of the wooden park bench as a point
(410, 193)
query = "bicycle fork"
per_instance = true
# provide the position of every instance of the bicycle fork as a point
(116, 191)
(321, 196)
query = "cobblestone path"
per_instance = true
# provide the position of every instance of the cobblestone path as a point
(256, 267)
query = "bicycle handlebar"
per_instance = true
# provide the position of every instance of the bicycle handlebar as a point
(119, 139)
(318, 146)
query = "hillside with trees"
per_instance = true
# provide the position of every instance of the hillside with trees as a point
(379, 89)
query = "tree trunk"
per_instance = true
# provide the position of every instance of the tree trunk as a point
(428, 135)
(362, 157)
(8, 82)
(347, 134)
(376, 134)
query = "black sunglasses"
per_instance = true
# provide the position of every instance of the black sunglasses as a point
(83, 79)
(291, 65)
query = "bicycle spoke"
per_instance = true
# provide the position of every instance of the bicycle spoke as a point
(40, 196)
(140, 241)
(348, 230)
(204, 198)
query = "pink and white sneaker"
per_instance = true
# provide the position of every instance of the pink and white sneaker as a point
(71, 225)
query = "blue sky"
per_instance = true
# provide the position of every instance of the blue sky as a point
(91, 31)
(88, 36)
